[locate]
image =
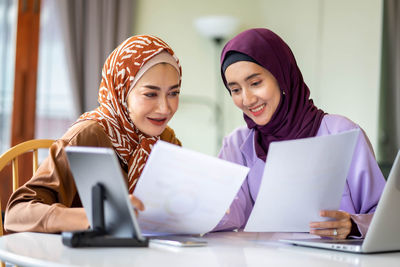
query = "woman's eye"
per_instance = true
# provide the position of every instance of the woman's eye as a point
(175, 93)
(235, 91)
(150, 94)
(255, 83)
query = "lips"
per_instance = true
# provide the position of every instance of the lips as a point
(157, 121)
(258, 110)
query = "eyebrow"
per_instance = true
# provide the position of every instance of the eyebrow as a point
(246, 79)
(153, 87)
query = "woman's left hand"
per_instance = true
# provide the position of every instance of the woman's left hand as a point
(339, 228)
(137, 204)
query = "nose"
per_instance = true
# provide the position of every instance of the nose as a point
(248, 97)
(164, 106)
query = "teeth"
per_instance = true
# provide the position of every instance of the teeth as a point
(258, 109)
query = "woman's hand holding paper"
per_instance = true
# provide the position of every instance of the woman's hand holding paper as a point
(338, 228)
(136, 203)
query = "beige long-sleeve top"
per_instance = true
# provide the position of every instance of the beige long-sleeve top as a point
(49, 201)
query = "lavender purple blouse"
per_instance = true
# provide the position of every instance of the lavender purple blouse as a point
(364, 184)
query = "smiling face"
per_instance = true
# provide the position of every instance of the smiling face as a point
(154, 99)
(254, 90)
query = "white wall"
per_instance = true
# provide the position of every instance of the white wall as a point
(350, 62)
(336, 44)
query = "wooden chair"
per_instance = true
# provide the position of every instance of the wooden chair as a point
(12, 155)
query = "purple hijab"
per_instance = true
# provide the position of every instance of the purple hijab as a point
(296, 115)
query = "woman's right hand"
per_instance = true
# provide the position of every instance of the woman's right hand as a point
(136, 203)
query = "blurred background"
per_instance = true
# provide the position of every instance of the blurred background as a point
(339, 45)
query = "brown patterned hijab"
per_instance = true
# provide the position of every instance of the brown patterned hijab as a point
(118, 77)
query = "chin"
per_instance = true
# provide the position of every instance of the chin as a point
(156, 132)
(262, 122)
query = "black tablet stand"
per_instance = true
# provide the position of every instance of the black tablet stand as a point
(98, 236)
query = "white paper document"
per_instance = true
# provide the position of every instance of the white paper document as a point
(302, 177)
(185, 192)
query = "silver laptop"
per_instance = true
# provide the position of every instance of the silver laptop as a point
(384, 231)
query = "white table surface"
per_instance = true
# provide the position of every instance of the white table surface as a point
(224, 249)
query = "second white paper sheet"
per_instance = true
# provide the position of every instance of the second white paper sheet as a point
(301, 177)
(184, 191)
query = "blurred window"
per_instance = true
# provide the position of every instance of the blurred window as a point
(55, 110)
(8, 26)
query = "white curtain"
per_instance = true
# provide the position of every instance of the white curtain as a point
(389, 109)
(92, 29)
(8, 22)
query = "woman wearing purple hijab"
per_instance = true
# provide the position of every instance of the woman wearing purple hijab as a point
(261, 74)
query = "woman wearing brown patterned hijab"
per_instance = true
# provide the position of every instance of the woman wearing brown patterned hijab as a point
(138, 95)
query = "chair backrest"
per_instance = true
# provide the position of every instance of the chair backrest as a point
(12, 155)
